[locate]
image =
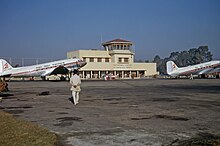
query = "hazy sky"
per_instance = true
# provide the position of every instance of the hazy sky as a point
(50, 28)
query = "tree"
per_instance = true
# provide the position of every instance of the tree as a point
(158, 61)
(174, 55)
(205, 54)
(183, 58)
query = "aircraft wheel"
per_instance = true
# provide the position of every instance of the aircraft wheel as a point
(43, 78)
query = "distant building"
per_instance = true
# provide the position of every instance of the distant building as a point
(116, 60)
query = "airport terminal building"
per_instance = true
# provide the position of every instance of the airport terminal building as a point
(116, 60)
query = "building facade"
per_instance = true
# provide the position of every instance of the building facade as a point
(115, 61)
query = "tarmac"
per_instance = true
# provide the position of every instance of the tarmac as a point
(135, 112)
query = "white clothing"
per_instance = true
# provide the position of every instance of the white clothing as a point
(75, 95)
(75, 81)
(191, 77)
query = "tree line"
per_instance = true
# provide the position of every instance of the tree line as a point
(184, 58)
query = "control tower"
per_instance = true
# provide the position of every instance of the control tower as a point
(121, 51)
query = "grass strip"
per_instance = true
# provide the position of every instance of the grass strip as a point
(15, 132)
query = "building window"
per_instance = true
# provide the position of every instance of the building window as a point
(84, 59)
(119, 59)
(126, 60)
(113, 47)
(91, 59)
(106, 59)
(99, 60)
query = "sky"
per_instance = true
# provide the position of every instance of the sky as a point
(51, 28)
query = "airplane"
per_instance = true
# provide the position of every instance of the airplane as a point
(198, 69)
(39, 70)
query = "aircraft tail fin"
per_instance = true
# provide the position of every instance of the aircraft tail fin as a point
(4, 66)
(171, 66)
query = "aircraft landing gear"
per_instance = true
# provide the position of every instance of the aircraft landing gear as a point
(43, 78)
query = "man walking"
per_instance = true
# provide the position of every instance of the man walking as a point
(75, 81)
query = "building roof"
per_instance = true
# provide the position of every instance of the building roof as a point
(117, 41)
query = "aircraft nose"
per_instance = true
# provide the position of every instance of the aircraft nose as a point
(82, 63)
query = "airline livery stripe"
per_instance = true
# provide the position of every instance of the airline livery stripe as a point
(42, 69)
(198, 69)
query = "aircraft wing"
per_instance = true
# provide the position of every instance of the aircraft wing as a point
(208, 71)
(216, 70)
(58, 70)
(47, 72)
(205, 71)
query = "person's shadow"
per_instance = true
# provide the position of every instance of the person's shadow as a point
(71, 99)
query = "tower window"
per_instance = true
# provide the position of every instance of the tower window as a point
(99, 59)
(119, 59)
(126, 60)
